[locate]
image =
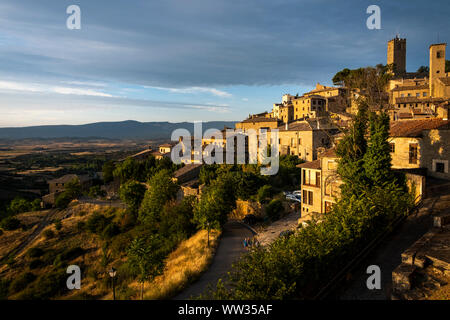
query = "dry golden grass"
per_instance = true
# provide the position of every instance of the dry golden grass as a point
(183, 266)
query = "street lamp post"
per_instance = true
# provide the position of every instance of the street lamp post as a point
(112, 273)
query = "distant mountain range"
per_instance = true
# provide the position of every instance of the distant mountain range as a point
(109, 130)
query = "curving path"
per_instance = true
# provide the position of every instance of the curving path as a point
(230, 248)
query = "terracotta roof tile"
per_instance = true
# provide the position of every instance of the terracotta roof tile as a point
(310, 165)
(414, 128)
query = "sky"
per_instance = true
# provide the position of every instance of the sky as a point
(191, 60)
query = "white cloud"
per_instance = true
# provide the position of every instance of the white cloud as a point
(80, 92)
(189, 90)
(39, 88)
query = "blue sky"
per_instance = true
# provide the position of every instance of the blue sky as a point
(190, 60)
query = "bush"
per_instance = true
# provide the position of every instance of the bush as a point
(46, 286)
(264, 193)
(67, 255)
(110, 231)
(10, 223)
(19, 205)
(97, 223)
(63, 200)
(21, 282)
(4, 289)
(96, 192)
(35, 252)
(81, 226)
(58, 224)
(36, 263)
(274, 209)
(48, 234)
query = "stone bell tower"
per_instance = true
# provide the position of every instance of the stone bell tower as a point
(396, 55)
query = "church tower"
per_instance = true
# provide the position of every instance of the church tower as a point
(396, 55)
(437, 65)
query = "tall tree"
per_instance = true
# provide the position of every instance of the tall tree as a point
(145, 260)
(161, 189)
(132, 193)
(351, 152)
(377, 159)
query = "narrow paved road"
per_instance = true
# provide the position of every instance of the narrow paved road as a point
(230, 248)
(388, 254)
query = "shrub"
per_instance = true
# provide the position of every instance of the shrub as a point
(19, 205)
(21, 282)
(81, 226)
(35, 252)
(4, 288)
(58, 224)
(10, 223)
(274, 209)
(264, 193)
(110, 231)
(36, 263)
(63, 200)
(46, 286)
(97, 223)
(48, 234)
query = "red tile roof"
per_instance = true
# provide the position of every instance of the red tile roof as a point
(310, 165)
(414, 128)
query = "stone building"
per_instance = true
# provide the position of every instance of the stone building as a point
(419, 95)
(421, 144)
(305, 137)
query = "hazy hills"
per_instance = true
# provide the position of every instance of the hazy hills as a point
(109, 130)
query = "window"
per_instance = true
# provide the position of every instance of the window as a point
(424, 94)
(299, 141)
(305, 196)
(402, 95)
(440, 167)
(392, 145)
(310, 198)
(439, 54)
(304, 176)
(417, 95)
(413, 153)
(317, 179)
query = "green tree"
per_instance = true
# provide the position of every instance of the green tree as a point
(162, 189)
(351, 152)
(108, 171)
(209, 212)
(264, 193)
(63, 200)
(19, 205)
(177, 219)
(132, 193)
(145, 260)
(73, 188)
(377, 159)
(423, 69)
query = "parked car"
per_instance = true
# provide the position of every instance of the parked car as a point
(293, 197)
